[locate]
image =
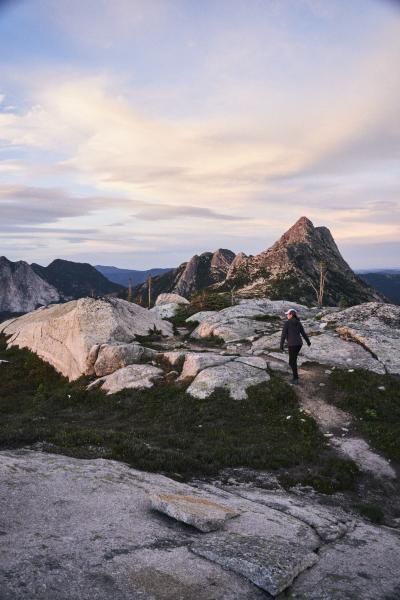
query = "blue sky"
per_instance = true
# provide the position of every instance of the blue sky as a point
(139, 133)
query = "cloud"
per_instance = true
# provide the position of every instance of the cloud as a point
(156, 212)
(33, 205)
(253, 134)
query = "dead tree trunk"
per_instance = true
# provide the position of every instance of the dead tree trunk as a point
(320, 290)
(149, 282)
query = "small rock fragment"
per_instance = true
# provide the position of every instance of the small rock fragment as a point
(203, 513)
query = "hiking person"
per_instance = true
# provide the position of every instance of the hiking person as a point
(292, 332)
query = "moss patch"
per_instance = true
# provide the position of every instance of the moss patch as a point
(376, 411)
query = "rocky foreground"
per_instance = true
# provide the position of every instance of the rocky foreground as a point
(96, 529)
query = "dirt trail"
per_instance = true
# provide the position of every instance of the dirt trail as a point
(336, 424)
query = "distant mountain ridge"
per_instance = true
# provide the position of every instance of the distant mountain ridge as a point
(387, 282)
(24, 287)
(122, 276)
(74, 280)
(289, 269)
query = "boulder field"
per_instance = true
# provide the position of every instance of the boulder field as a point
(112, 339)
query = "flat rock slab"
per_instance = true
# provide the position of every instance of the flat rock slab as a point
(253, 361)
(82, 529)
(366, 459)
(202, 513)
(331, 523)
(234, 376)
(362, 566)
(272, 567)
(133, 377)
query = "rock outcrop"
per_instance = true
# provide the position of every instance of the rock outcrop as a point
(326, 349)
(236, 376)
(70, 336)
(244, 320)
(373, 325)
(111, 357)
(167, 305)
(98, 537)
(170, 298)
(272, 568)
(137, 377)
(21, 289)
(190, 277)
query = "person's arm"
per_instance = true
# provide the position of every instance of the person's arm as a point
(284, 334)
(305, 336)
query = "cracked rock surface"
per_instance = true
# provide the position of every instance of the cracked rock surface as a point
(86, 529)
(272, 567)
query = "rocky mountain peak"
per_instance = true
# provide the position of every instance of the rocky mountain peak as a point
(290, 269)
(300, 232)
(222, 256)
(200, 272)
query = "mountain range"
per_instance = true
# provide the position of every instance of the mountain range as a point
(24, 287)
(128, 276)
(289, 269)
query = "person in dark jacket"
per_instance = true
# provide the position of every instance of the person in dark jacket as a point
(292, 333)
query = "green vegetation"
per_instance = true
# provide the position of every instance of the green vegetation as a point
(154, 335)
(211, 341)
(377, 411)
(160, 429)
(268, 318)
(204, 300)
(372, 512)
(333, 475)
(290, 287)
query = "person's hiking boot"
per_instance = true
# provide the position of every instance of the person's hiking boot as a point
(295, 380)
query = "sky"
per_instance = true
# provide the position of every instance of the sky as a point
(137, 133)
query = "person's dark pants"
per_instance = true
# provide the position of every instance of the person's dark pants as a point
(293, 354)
